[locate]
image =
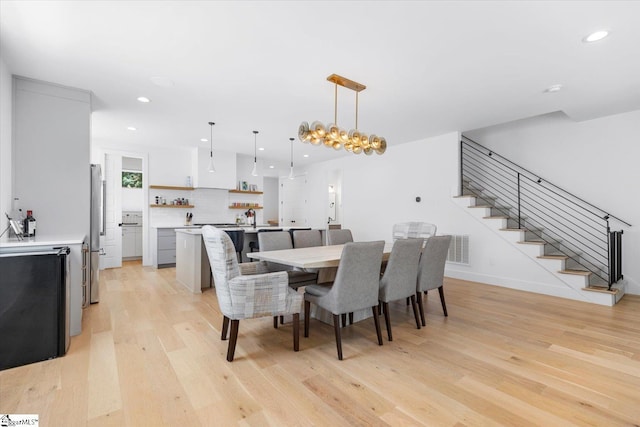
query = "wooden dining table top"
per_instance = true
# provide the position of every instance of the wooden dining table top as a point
(312, 257)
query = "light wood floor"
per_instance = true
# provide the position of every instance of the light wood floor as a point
(151, 355)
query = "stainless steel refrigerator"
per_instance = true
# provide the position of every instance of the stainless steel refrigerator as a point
(97, 230)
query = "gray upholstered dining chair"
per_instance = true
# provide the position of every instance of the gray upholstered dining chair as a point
(243, 296)
(339, 237)
(415, 230)
(400, 276)
(279, 240)
(431, 271)
(354, 288)
(307, 238)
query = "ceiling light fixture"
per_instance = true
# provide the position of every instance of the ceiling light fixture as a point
(254, 172)
(204, 140)
(291, 171)
(131, 128)
(144, 99)
(333, 136)
(305, 155)
(553, 88)
(211, 167)
(596, 36)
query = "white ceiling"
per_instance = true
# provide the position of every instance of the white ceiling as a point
(429, 67)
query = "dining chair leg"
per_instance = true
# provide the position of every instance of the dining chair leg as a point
(376, 321)
(275, 322)
(344, 319)
(379, 308)
(421, 308)
(233, 339)
(387, 321)
(415, 310)
(351, 318)
(307, 309)
(225, 327)
(296, 332)
(408, 301)
(444, 306)
(336, 328)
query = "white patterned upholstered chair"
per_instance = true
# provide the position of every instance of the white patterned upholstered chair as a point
(416, 230)
(431, 271)
(400, 276)
(245, 296)
(339, 237)
(354, 288)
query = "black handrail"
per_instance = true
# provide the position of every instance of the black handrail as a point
(568, 224)
(517, 168)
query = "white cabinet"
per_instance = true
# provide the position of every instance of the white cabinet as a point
(131, 242)
(225, 166)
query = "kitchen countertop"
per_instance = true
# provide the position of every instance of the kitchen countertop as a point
(45, 240)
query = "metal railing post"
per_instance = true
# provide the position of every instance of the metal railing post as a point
(519, 216)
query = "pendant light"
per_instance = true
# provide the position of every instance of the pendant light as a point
(211, 167)
(254, 172)
(291, 171)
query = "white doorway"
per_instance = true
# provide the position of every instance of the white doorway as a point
(112, 241)
(132, 204)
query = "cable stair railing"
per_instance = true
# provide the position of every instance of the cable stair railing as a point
(570, 228)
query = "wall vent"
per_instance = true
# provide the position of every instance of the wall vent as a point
(459, 249)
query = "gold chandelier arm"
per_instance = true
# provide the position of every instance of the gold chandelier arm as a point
(335, 104)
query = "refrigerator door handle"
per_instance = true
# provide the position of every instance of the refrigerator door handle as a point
(104, 208)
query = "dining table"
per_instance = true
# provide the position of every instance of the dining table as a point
(324, 259)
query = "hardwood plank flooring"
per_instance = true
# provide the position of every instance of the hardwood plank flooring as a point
(150, 355)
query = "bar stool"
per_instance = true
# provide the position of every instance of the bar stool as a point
(237, 237)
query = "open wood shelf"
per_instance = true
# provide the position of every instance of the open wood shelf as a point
(170, 187)
(245, 207)
(245, 192)
(173, 206)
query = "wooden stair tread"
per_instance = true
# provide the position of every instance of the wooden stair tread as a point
(480, 206)
(513, 229)
(533, 242)
(496, 217)
(560, 257)
(576, 272)
(601, 289)
(464, 195)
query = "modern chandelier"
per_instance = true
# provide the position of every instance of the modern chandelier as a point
(333, 136)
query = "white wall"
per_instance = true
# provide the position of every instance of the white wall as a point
(51, 155)
(5, 143)
(596, 160)
(379, 191)
(270, 199)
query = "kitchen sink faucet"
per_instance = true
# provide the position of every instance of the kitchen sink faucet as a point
(252, 213)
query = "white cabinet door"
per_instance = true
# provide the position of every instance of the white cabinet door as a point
(225, 169)
(128, 242)
(138, 242)
(293, 201)
(111, 242)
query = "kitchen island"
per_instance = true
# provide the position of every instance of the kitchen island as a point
(192, 263)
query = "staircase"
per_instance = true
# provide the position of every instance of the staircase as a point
(565, 235)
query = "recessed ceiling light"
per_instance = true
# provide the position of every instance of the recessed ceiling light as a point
(553, 88)
(144, 99)
(271, 166)
(305, 155)
(131, 128)
(204, 140)
(261, 149)
(162, 81)
(594, 37)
